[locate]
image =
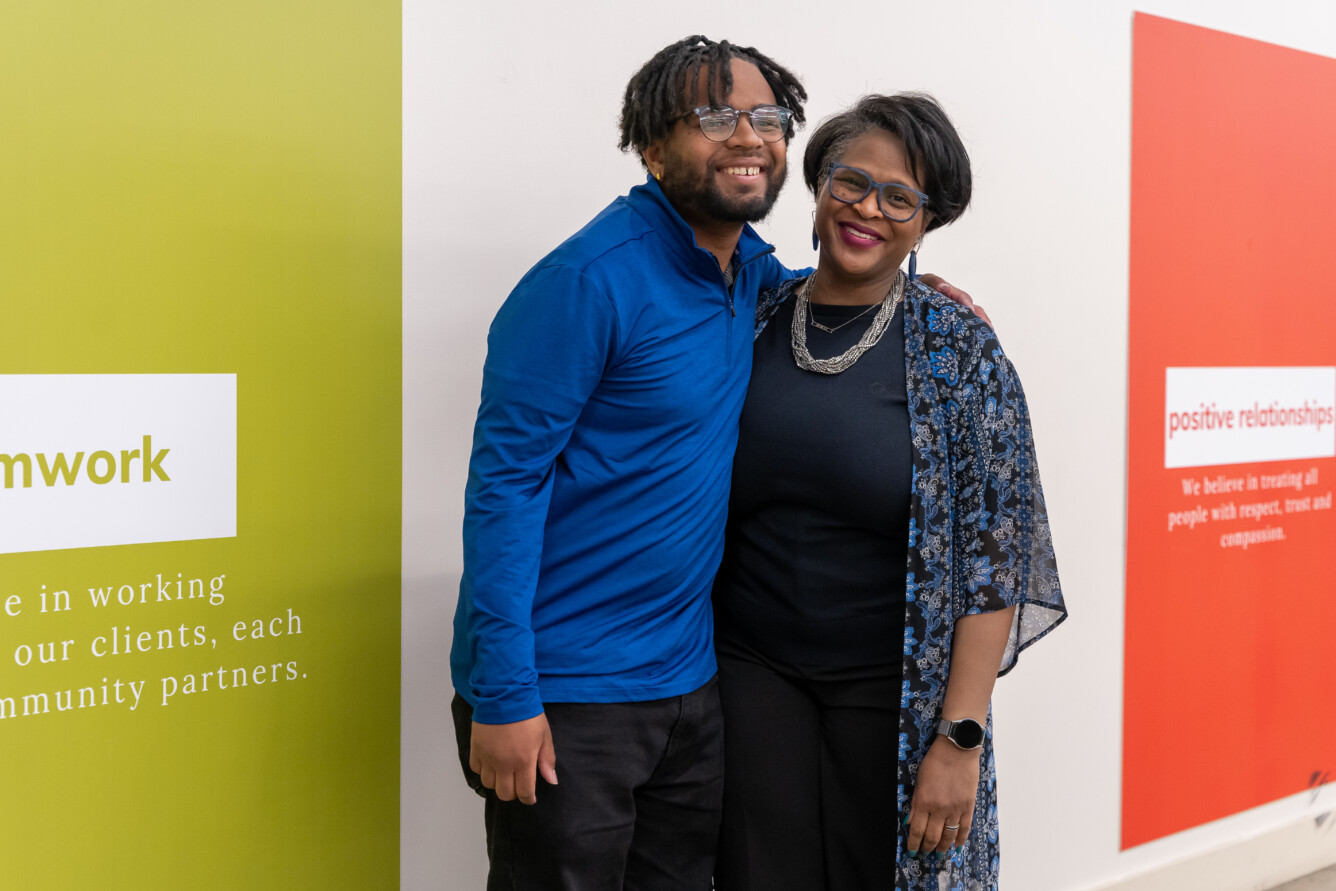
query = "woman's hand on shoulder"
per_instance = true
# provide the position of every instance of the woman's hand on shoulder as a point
(944, 795)
(943, 287)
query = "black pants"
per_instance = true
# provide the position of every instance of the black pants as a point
(810, 795)
(636, 808)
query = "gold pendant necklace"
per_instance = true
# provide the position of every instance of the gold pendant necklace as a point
(811, 317)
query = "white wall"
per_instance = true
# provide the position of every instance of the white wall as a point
(530, 91)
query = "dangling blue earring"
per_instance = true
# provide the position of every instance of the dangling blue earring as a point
(913, 265)
(816, 241)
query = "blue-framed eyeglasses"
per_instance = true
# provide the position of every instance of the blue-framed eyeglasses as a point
(717, 122)
(897, 202)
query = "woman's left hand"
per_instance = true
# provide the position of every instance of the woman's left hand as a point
(948, 782)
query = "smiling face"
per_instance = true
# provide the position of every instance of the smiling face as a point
(730, 182)
(859, 245)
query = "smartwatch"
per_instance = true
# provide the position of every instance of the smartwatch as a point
(966, 733)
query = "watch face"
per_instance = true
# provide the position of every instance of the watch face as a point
(968, 733)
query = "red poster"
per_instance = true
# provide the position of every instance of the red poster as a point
(1230, 689)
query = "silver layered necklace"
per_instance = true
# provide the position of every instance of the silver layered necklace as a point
(835, 364)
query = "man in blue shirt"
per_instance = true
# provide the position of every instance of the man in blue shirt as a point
(597, 494)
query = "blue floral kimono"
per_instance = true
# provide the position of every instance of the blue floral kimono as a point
(979, 542)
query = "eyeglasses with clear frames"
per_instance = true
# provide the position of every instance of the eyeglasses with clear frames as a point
(898, 203)
(718, 122)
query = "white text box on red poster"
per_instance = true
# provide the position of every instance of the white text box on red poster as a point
(1242, 415)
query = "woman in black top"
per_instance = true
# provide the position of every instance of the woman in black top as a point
(888, 551)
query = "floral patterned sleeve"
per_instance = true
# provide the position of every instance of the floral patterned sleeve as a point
(769, 300)
(1005, 557)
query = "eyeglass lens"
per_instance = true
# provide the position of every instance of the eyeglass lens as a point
(851, 186)
(769, 122)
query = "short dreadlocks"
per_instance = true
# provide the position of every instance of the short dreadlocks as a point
(657, 95)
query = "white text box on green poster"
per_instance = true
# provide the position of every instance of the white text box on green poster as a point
(90, 460)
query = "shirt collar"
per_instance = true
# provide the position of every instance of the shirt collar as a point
(649, 201)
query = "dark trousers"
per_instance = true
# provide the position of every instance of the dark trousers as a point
(636, 808)
(810, 796)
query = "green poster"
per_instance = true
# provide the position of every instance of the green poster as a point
(199, 444)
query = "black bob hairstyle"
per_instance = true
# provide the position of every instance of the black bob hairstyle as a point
(657, 94)
(937, 157)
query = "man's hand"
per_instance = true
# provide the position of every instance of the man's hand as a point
(935, 282)
(506, 755)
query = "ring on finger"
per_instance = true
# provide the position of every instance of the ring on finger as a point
(952, 828)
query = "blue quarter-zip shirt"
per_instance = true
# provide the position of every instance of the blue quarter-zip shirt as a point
(598, 486)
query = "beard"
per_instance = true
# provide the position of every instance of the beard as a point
(696, 194)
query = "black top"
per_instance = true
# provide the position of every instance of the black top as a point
(818, 526)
